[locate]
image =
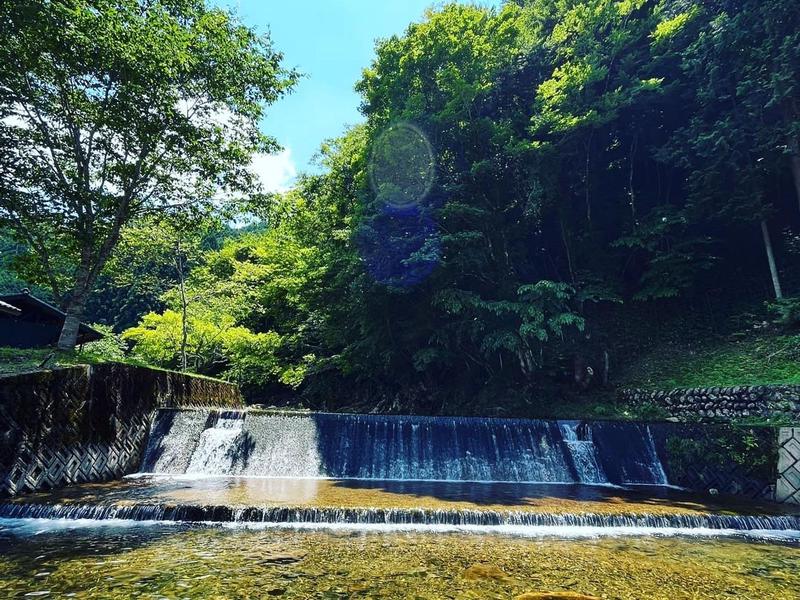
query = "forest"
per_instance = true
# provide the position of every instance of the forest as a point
(544, 201)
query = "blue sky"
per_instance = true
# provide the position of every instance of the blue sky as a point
(330, 41)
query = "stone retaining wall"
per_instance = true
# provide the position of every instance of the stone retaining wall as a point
(721, 403)
(88, 423)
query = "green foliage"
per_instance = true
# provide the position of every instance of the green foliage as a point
(113, 109)
(110, 348)
(153, 254)
(670, 27)
(244, 309)
(786, 312)
(744, 114)
(752, 449)
(674, 255)
(755, 361)
(523, 175)
(10, 252)
(215, 345)
(583, 155)
(517, 326)
(157, 339)
(16, 360)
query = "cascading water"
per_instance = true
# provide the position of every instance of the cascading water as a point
(173, 439)
(401, 448)
(584, 452)
(393, 457)
(627, 453)
(221, 446)
(391, 516)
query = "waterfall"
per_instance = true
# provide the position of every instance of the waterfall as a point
(348, 446)
(584, 452)
(220, 447)
(627, 453)
(434, 448)
(285, 446)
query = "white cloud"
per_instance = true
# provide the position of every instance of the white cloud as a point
(277, 172)
(14, 121)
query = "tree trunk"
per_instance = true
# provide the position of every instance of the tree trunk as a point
(773, 269)
(791, 113)
(184, 305)
(72, 322)
(586, 177)
(631, 190)
(91, 263)
(76, 305)
(796, 175)
(566, 249)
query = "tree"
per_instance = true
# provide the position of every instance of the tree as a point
(153, 255)
(12, 254)
(743, 131)
(240, 312)
(453, 279)
(115, 109)
(534, 189)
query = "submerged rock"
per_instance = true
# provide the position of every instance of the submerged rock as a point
(480, 571)
(282, 558)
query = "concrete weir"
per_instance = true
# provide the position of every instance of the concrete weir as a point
(229, 465)
(383, 447)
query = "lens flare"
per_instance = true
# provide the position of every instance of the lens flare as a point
(402, 166)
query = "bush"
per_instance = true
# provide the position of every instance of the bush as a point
(786, 312)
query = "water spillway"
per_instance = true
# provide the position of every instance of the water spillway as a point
(381, 447)
(189, 513)
(377, 472)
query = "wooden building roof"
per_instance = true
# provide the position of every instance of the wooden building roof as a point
(30, 322)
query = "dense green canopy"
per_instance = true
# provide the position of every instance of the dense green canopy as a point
(522, 175)
(111, 110)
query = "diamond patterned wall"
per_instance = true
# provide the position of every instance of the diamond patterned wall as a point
(734, 460)
(88, 423)
(788, 487)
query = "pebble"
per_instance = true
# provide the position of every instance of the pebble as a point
(554, 596)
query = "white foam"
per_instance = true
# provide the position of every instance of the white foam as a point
(42, 526)
(532, 531)
(206, 476)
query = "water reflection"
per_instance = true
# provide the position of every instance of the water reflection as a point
(393, 494)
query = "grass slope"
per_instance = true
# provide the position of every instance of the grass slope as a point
(758, 359)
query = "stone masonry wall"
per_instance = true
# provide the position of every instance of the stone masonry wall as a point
(88, 423)
(721, 403)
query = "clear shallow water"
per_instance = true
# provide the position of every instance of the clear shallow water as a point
(499, 507)
(115, 561)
